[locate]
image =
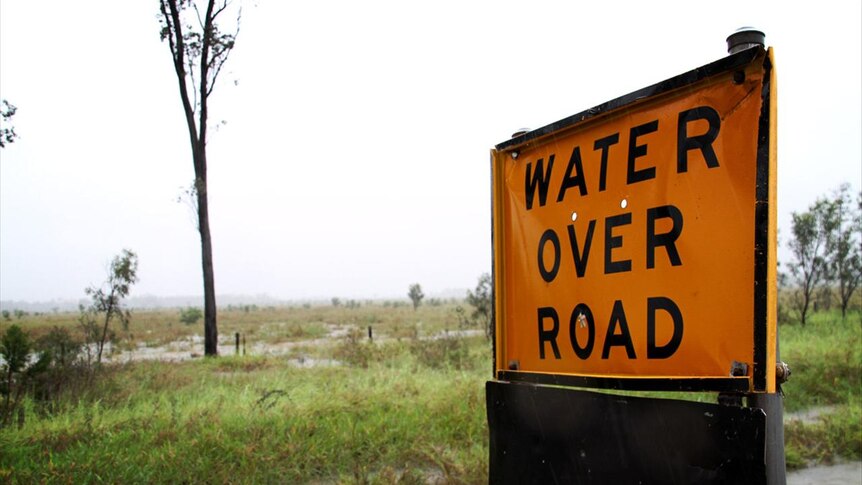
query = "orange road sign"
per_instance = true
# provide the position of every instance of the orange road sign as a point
(634, 243)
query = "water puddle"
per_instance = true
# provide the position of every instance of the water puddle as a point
(189, 348)
(839, 474)
(809, 416)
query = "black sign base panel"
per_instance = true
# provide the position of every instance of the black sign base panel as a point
(546, 435)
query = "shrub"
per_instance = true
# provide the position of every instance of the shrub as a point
(190, 315)
(15, 349)
(441, 352)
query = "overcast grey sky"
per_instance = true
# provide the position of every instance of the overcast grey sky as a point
(354, 160)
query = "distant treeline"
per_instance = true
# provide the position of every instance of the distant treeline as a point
(228, 302)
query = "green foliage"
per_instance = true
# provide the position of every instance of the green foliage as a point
(15, 350)
(826, 245)
(7, 131)
(480, 300)
(811, 231)
(415, 294)
(190, 315)
(844, 247)
(107, 301)
(6, 315)
(60, 346)
(59, 368)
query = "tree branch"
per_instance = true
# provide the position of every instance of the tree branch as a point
(204, 65)
(177, 45)
(225, 51)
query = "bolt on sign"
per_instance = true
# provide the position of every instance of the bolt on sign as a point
(635, 243)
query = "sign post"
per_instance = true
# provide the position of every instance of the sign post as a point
(635, 242)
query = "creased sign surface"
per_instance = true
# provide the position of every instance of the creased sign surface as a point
(625, 245)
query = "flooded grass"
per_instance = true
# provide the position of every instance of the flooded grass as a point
(317, 401)
(262, 420)
(824, 394)
(297, 408)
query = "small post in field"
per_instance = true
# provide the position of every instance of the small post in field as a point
(237, 342)
(370, 336)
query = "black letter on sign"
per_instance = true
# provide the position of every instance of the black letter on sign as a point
(539, 179)
(577, 181)
(612, 242)
(605, 144)
(666, 304)
(581, 257)
(684, 143)
(552, 236)
(582, 313)
(667, 239)
(612, 339)
(548, 335)
(636, 151)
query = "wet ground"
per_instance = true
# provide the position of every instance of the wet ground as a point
(849, 473)
(840, 474)
(192, 347)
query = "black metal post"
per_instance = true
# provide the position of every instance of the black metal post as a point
(773, 405)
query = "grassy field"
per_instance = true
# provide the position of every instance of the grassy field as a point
(826, 359)
(270, 324)
(407, 408)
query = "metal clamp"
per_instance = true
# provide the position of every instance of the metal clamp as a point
(782, 372)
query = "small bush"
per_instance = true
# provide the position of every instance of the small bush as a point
(190, 315)
(442, 352)
(356, 350)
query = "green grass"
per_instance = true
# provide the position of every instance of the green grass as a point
(400, 410)
(260, 420)
(826, 361)
(834, 436)
(825, 357)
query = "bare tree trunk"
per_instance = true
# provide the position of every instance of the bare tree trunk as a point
(210, 323)
(804, 311)
(210, 326)
(105, 329)
(844, 295)
(6, 409)
(102, 340)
